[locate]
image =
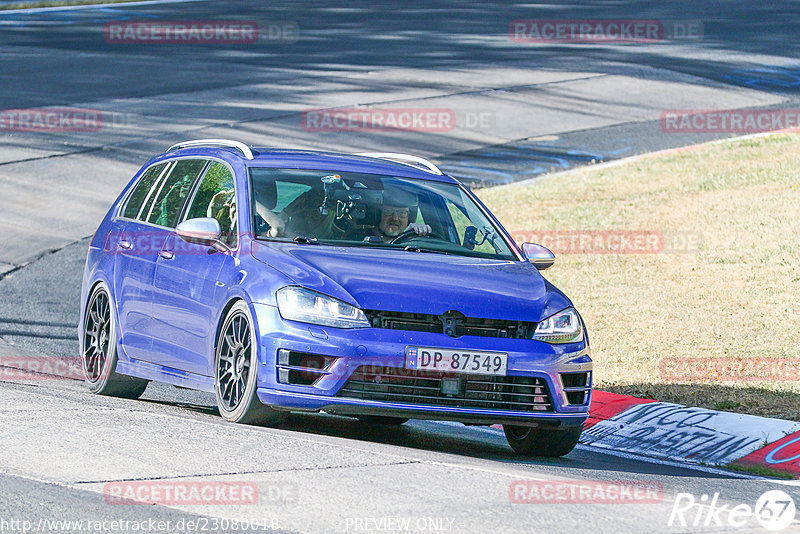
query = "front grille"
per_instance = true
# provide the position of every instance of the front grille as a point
(389, 384)
(466, 326)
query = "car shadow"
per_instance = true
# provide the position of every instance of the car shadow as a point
(483, 443)
(478, 442)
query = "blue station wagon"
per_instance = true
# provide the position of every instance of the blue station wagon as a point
(368, 285)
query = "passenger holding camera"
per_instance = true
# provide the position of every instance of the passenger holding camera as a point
(396, 210)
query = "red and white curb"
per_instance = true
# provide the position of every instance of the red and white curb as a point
(694, 435)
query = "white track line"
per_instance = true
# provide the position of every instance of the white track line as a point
(94, 6)
(649, 460)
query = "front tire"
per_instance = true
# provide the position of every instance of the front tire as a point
(236, 371)
(543, 442)
(99, 349)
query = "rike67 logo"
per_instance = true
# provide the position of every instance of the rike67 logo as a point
(774, 511)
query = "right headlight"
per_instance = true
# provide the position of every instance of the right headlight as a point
(561, 327)
(306, 306)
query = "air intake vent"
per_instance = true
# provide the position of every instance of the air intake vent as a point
(576, 387)
(460, 325)
(508, 393)
(302, 368)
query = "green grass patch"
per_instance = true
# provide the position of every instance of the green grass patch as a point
(761, 471)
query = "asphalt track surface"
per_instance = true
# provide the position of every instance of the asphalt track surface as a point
(543, 107)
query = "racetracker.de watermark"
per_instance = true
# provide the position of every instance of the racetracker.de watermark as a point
(199, 32)
(730, 370)
(361, 119)
(603, 30)
(150, 242)
(612, 241)
(585, 492)
(63, 120)
(51, 120)
(24, 368)
(728, 120)
(181, 493)
(102, 526)
(379, 373)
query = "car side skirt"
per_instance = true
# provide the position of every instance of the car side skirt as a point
(167, 375)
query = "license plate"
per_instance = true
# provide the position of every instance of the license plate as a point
(457, 361)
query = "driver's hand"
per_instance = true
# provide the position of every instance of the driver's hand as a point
(277, 226)
(276, 222)
(420, 229)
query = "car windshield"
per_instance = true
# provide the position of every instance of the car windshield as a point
(332, 207)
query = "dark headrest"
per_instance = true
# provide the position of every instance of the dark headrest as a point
(372, 216)
(266, 193)
(399, 197)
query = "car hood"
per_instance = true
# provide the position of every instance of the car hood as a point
(401, 281)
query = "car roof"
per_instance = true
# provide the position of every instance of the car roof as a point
(321, 160)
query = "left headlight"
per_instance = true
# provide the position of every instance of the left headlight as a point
(561, 327)
(306, 306)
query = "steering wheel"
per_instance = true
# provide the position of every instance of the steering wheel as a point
(410, 234)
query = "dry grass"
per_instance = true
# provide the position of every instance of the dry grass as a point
(736, 297)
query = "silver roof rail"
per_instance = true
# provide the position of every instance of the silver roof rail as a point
(404, 158)
(225, 143)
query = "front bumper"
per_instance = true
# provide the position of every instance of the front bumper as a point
(354, 348)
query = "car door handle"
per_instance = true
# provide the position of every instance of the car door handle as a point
(166, 254)
(124, 243)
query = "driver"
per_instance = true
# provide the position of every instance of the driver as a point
(396, 210)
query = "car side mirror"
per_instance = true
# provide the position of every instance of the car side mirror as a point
(541, 257)
(200, 231)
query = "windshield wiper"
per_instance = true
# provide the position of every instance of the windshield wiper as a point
(303, 240)
(411, 248)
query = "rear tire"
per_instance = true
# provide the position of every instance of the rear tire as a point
(382, 420)
(543, 442)
(99, 349)
(236, 372)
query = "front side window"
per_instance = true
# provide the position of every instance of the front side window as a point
(216, 197)
(368, 210)
(140, 192)
(471, 225)
(166, 208)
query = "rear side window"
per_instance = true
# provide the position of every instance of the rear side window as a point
(216, 197)
(139, 193)
(173, 192)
